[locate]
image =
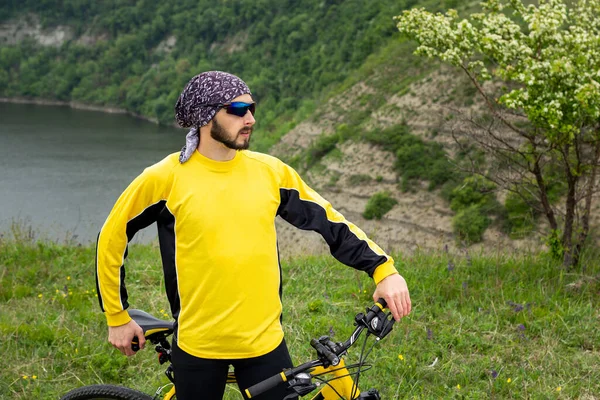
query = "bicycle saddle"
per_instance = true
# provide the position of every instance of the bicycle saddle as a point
(150, 324)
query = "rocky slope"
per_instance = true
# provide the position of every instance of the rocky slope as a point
(421, 220)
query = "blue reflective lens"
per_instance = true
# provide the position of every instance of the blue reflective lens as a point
(240, 108)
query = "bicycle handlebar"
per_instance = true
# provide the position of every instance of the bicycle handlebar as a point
(331, 356)
(265, 385)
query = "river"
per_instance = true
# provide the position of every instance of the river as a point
(61, 169)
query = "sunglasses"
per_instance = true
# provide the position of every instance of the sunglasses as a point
(238, 108)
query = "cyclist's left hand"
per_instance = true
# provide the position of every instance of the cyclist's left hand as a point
(394, 291)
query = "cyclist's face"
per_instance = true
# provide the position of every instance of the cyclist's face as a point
(233, 131)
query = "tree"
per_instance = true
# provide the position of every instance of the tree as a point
(547, 58)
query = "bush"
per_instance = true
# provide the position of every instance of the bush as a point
(470, 223)
(473, 201)
(320, 148)
(520, 216)
(555, 246)
(378, 205)
(475, 190)
(415, 158)
(390, 139)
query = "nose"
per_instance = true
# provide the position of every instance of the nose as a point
(249, 119)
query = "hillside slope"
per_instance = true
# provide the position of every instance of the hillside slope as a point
(356, 170)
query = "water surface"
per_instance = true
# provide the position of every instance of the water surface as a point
(61, 170)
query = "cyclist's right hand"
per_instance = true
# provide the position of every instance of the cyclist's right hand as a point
(121, 336)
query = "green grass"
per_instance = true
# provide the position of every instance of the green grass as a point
(482, 327)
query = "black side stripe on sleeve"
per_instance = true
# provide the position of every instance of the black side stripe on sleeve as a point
(280, 282)
(345, 246)
(97, 283)
(166, 240)
(145, 219)
(141, 221)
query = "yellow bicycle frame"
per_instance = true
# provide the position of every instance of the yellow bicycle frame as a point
(343, 384)
(169, 395)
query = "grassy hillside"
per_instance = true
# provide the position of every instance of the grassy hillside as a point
(493, 327)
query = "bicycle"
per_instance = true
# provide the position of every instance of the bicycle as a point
(299, 380)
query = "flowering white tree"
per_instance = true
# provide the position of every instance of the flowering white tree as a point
(548, 58)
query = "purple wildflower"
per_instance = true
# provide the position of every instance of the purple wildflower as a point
(429, 334)
(450, 266)
(494, 373)
(516, 306)
(521, 330)
(468, 257)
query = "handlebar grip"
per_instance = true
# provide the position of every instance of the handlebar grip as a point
(135, 344)
(265, 385)
(380, 305)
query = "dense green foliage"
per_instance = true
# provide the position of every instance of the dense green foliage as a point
(415, 158)
(500, 326)
(378, 205)
(521, 217)
(473, 201)
(474, 190)
(287, 51)
(319, 148)
(470, 223)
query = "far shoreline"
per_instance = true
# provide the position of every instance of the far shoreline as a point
(78, 106)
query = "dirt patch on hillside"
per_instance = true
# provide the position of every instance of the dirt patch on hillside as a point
(231, 44)
(299, 138)
(354, 172)
(166, 46)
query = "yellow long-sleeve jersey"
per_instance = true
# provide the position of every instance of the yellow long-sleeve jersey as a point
(216, 229)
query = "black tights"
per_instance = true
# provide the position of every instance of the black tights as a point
(201, 378)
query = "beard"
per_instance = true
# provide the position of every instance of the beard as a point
(221, 135)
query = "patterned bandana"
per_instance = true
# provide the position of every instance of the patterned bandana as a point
(195, 106)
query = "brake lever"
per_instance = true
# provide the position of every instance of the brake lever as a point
(302, 384)
(388, 324)
(376, 322)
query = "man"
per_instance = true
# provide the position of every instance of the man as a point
(215, 205)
